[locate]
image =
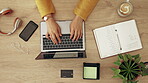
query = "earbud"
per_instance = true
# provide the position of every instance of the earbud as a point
(6, 11)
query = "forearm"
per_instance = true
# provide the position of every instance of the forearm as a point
(45, 7)
(84, 8)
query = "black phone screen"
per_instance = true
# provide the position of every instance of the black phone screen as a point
(28, 31)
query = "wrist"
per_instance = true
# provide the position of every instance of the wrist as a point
(47, 17)
(78, 18)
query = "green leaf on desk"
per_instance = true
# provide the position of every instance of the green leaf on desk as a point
(129, 56)
(117, 71)
(120, 56)
(114, 69)
(142, 64)
(119, 76)
(125, 58)
(118, 63)
(137, 60)
(136, 56)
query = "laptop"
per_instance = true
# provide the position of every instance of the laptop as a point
(66, 49)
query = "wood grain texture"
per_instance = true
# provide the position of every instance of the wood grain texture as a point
(17, 58)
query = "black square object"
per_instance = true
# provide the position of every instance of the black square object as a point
(66, 73)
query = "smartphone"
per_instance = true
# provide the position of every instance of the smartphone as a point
(28, 31)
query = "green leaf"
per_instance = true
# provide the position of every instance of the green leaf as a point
(130, 62)
(123, 70)
(137, 69)
(117, 71)
(142, 64)
(125, 58)
(122, 66)
(117, 63)
(135, 66)
(114, 69)
(124, 73)
(124, 81)
(129, 77)
(134, 81)
(132, 76)
(136, 72)
(144, 74)
(129, 56)
(120, 56)
(132, 65)
(126, 64)
(143, 69)
(136, 56)
(121, 76)
(129, 82)
(137, 60)
(115, 76)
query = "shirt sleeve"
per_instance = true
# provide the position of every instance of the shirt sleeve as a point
(45, 7)
(84, 8)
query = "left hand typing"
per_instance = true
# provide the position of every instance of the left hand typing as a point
(76, 28)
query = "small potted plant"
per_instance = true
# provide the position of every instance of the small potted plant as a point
(129, 68)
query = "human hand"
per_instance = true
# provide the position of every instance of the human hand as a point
(76, 28)
(54, 31)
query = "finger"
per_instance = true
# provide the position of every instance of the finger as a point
(53, 38)
(59, 31)
(75, 36)
(79, 34)
(47, 36)
(57, 36)
(71, 34)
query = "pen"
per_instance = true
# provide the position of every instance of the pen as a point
(118, 40)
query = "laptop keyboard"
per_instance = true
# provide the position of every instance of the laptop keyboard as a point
(67, 43)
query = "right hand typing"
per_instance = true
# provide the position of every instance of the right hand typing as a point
(53, 31)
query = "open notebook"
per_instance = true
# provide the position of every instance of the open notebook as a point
(117, 38)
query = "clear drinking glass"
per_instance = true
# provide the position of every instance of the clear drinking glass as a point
(125, 9)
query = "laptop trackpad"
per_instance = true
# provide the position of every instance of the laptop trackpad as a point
(65, 54)
(65, 26)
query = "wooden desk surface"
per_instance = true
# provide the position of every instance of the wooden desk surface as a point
(17, 58)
